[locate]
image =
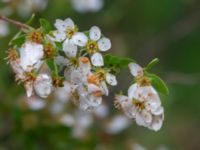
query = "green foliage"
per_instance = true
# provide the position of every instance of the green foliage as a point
(52, 66)
(157, 83)
(45, 25)
(18, 40)
(117, 61)
(152, 64)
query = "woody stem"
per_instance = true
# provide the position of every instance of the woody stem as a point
(16, 23)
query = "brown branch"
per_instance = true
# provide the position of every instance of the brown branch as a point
(16, 23)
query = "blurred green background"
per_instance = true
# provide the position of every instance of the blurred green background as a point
(140, 29)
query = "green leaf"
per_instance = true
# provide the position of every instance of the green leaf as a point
(18, 41)
(152, 64)
(157, 83)
(31, 19)
(46, 26)
(116, 61)
(52, 66)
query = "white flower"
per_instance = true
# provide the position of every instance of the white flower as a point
(66, 30)
(88, 97)
(80, 39)
(97, 60)
(79, 121)
(26, 7)
(63, 93)
(43, 85)
(96, 44)
(30, 56)
(70, 48)
(111, 79)
(143, 104)
(136, 70)
(83, 6)
(117, 124)
(35, 103)
(4, 30)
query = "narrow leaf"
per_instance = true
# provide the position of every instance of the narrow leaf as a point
(46, 26)
(152, 64)
(116, 61)
(158, 83)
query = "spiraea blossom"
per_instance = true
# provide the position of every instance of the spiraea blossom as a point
(84, 6)
(72, 65)
(143, 102)
(4, 29)
(97, 43)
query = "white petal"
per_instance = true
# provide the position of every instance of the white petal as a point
(157, 123)
(30, 54)
(121, 98)
(97, 60)
(140, 120)
(95, 33)
(94, 101)
(43, 85)
(104, 44)
(61, 61)
(132, 91)
(93, 88)
(135, 69)
(67, 120)
(146, 116)
(129, 109)
(104, 88)
(64, 93)
(58, 36)
(159, 111)
(29, 88)
(76, 77)
(69, 23)
(80, 39)
(36, 103)
(70, 48)
(117, 124)
(111, 79)
(60, 25)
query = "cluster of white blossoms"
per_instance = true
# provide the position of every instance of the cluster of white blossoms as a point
(65, 60)
(143, 102)
(84, 6)
(4, 29)
(24, 8)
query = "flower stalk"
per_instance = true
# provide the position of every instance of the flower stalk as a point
(16, 23)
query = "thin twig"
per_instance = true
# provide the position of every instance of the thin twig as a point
(16, 23)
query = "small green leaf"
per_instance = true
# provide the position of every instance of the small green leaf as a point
(46, 26)
(31, 19)
(52, 66)
(157, 83)
(116, 61)
(18, 41)
(152, 64)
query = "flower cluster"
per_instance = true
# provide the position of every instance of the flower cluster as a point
(143, 102)
(72, 62)
(80, 64)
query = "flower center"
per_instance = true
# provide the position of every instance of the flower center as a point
(92, 47)
(139, 105)
(74, 61)
(101, 74)
(12, 54)
(71, 32)
(49, 50)
(36, 36)
(143, 81)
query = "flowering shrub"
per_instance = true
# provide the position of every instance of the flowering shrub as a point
(47, 59)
